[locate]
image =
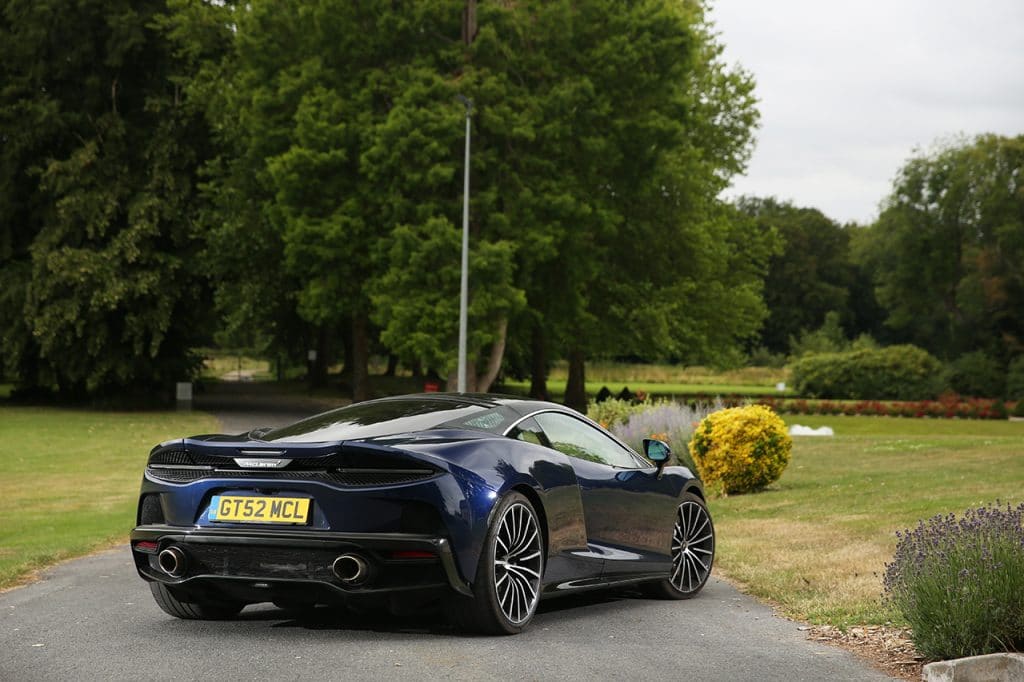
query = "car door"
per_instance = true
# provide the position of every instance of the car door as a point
(628, 511)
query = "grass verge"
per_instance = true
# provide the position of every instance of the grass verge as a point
(69, 479)
(817, 541)
(654, 389)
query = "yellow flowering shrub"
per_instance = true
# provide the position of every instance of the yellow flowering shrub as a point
(741, 449)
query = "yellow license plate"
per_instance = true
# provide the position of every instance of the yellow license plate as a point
(248, 509)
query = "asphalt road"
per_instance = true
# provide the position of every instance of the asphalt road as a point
(94, 619)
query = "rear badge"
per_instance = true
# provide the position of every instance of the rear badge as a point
(261, 463)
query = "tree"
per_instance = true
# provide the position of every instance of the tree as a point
(603, 133)
(102, 289)
(947, 252)
(629, 125)
(809, 277)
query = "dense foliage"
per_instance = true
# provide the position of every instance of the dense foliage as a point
(741, 449)
(601, 130)
(812, 274)
(287, 175)
(99, 286)
(959, 582)
(892, 373)
(946, 251)
(1015, 379)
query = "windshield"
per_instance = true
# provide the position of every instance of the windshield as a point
(377, 418)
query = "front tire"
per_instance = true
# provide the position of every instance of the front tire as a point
(508, 578)
(693, 551)
(192, 608)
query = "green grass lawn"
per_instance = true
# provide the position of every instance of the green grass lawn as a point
(69, 479)
(816, 542)
(665, 380)
(653, 388)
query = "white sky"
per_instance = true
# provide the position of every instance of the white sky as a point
(849, 88)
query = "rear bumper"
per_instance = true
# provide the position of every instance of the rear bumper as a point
(262, 559)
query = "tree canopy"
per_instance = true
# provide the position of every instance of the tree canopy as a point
(947, 253)
(289, 175)
(99, 286)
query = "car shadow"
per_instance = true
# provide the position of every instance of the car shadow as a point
(428, 620)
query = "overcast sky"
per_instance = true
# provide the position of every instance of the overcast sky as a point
(848, 89)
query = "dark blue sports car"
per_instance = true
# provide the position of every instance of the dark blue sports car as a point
(489, 502)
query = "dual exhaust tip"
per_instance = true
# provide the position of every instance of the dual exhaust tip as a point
(350, 569)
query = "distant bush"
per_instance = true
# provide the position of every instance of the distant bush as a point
(762, 357)
(1015, 379)
(741, 449)
(613, 411)
(977, 374)
(960, 582)
(891, 373)
(828, 338)
(667, 421)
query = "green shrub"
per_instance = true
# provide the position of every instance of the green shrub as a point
(829, 338)
(741, 449)
(613, 411)
(1015, 379)
(960, 582)
(977, 374)
(891, 373)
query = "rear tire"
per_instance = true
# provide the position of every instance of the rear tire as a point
(191, 608)
(508, 577)
(693, 551)
(296, 608)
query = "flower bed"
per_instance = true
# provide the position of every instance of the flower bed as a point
(947, 407)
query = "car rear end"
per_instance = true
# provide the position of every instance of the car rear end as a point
(253, 521)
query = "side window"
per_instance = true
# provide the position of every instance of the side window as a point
(528, 430)
(578, 439)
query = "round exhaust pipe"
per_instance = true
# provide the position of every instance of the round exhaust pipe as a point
(173, 561)
(350, 569)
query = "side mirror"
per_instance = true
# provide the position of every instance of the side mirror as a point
(658, 452)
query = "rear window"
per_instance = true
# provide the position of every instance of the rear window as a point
(381, 418)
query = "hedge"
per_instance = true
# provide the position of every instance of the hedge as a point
(891, 373)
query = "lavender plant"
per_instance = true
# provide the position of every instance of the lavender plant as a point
(959, 582)
(668, 421)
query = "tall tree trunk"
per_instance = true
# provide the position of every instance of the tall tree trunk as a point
(538, 364)
(452, 384)
(416, 369)
(469, 26)
(392, 365)
(349, 356)
(318, 367)
(360, 357)
(576, 387)
(483, 383)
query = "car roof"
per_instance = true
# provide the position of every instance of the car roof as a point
(522, 406)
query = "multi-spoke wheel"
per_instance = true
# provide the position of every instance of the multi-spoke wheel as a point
(693, 550)
(507, 585)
